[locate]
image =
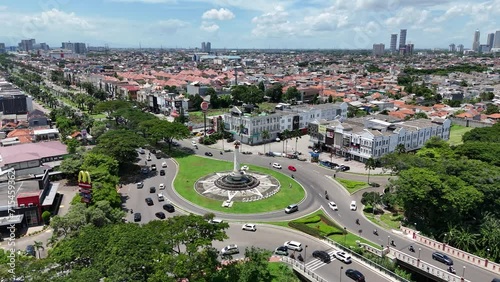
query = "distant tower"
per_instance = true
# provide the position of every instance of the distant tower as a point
(394, 42)
(475, 43)
(203, 47)
(491, 39)
(402, 38)
(460, 48)
(452, 48)
(378, 49)
(496, 41)
(209, 47)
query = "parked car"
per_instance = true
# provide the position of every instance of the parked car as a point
(293, 245)
(209, 154)
(353, 206)
(333, 206)
(344, 168)
(355, 275)
(292, 208)
(149, 201)
(153, 167)
(292, 168)
(442, 258)
(152, 189)
(215, 221)
(247, 153)
(140, 185)
(169, 207)
(322, 255)
(277, 165)
(142, 152)
(193, 143)
(148, 158)
(145, 170)
(160, 215)
(230, 250)
(162, 172)
(281, 250)
(137, 216)
(249, 227)
(30, 250)
(343, 256)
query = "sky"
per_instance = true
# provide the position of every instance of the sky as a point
(233, 24)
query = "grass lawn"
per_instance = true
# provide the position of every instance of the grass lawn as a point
(351, 185)
(197, 117)
(456, 133)
(98, 116)
(350, 240)
(386, 220)
(191, 168)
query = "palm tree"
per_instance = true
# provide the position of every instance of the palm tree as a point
(461, 238)
(296, 133)
(241, 127)
(369, 165)
(38, 245)
(265, 137)
(285, 135)
(51, 241)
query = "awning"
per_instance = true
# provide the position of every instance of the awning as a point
(49, 199)
(8, 220)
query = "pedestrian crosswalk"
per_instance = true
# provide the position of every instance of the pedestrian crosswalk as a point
(315, 263)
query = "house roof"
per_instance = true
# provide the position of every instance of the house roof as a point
(31, 151)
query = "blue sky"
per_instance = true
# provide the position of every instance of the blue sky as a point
(327, 24)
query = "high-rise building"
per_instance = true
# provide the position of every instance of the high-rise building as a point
(452, 48)
(203, 47)
(2, 48)
(394, 42)
(26, 45)
(402, 38)
(76, 47)
(490, 40)
(475, 43)
(209, 47)
(378, 49)
(409, 49)
(496, 42)
(460, 48)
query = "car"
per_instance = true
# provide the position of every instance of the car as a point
(281, 250)
(245, 167)
(140, 185)
(158, 156)
(175, 144)
(442, 258)
(247, 153)
(145, 170)
(277, 165)
(160, 215)
(230, 250)
(343, 256)
(169, 207)
(149, 201)
(153, 151)
(293, 245)
(142, 152)
(211, 131)
(209, 154)
(161, 186)
(152, 189)
(322, 256)
(153, 167)
(215, 221)
(30, 250)
(344, 168)
(164, 164)
(292, 168)
(161, 198)
(333, 206)
(353, 206)
(137, 216)
(162, 172)
(193, 143)
(355, 275)
(148, 158)
(292, 208)
(249, 227)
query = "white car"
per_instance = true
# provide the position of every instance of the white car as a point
(161, 197)
(343, 256)
(353, 206)
(277, 165)
(333, 206)
(249, 227)
(161, 186)
(164, 164)
(148, 158)
(193, 143)
(230, 250)
(245, 167)
(215, 221)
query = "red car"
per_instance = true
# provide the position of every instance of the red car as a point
(292, 168)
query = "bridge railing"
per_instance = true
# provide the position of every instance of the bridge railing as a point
(451, 251)
(369, 262)
(302, 269)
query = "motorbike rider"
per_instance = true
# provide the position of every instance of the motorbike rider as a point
(411, 249)
(357, 221)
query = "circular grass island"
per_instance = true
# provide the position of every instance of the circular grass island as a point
(192, 168)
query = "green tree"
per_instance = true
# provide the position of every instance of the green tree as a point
(292, 94)
(275, 93)
(38, 246)
(196, 101)
(491, 109)
(261, 86)
(71, 165)
(111, 106)
(120, 144)
(420, 115)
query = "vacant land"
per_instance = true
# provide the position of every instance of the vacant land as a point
(456, 133)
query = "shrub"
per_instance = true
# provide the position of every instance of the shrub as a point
(46, 217)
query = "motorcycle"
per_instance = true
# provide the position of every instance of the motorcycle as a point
(131, 211)
(375, 232)
(393, 244)
(221, 153)
(411, 249)
(357, 221)
(293, 176)
(326, 197)
(452, 270)
(300, 258)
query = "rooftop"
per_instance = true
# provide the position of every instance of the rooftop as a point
(31, 151)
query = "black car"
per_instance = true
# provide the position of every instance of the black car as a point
(152, 189)
(162, 172)
(145, 170)
(158, 156)
(344, 168)
(169, 207)
(209, 154)
(160, 215)
(30, 250)
(322, 256)
(137, 216)
(149, 201)
(355, 275)
(442, 258)
(153, 151)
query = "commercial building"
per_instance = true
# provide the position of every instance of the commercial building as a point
(496, 42)
(208, 47)
(402, 38)
(490, 40)
(475, 43)
(394, 43)
(378, 49)
(248, 127)
(2, 48)
(452, 48)
(374, 136)
(26, 45)
(460, 48)
(12, 100)
(75, 47)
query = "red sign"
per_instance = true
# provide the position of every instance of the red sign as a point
(85, 191)
(204, 106)
(85, 185)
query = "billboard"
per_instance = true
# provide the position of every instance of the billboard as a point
(296, 123)
(178, 104)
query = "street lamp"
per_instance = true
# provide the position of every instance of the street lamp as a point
(340, 274)
(415, 226)
(388, 239)
(419, 249)
(345, 235)
(305, 254)
(463, 272)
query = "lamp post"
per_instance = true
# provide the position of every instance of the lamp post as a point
(345, 235)
(444, 238)
(463, 273)
(415, 226)
(305, 254)
(340, 274)
(487, 252)
(419, 249)
(388, 239)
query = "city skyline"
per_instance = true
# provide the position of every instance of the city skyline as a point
(240, 24)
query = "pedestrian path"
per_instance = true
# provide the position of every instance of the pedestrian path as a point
(316, 263)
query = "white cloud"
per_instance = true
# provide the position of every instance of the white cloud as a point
(409, 16)
(171, 25)
(221, 14)
(146, 1)
(209, 27)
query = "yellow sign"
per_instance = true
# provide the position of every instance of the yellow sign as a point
(84, 177)
(322, 129)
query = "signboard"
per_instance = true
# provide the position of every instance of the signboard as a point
(329, 134)
(84, 133)
(85, 184)
(204, 106)
(296, 123)
(322, 129)
(178, 104)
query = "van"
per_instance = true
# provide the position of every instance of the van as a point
(294, 245)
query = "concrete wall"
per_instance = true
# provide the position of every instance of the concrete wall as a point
(469, 123)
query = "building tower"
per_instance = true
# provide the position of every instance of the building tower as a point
(209, 47)
(496, 41)
(452, 48)
(475, 43)
(203, 46)
(402, 38)
(378, 49)
(491, 40)
(460, 48)
(394, 42)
